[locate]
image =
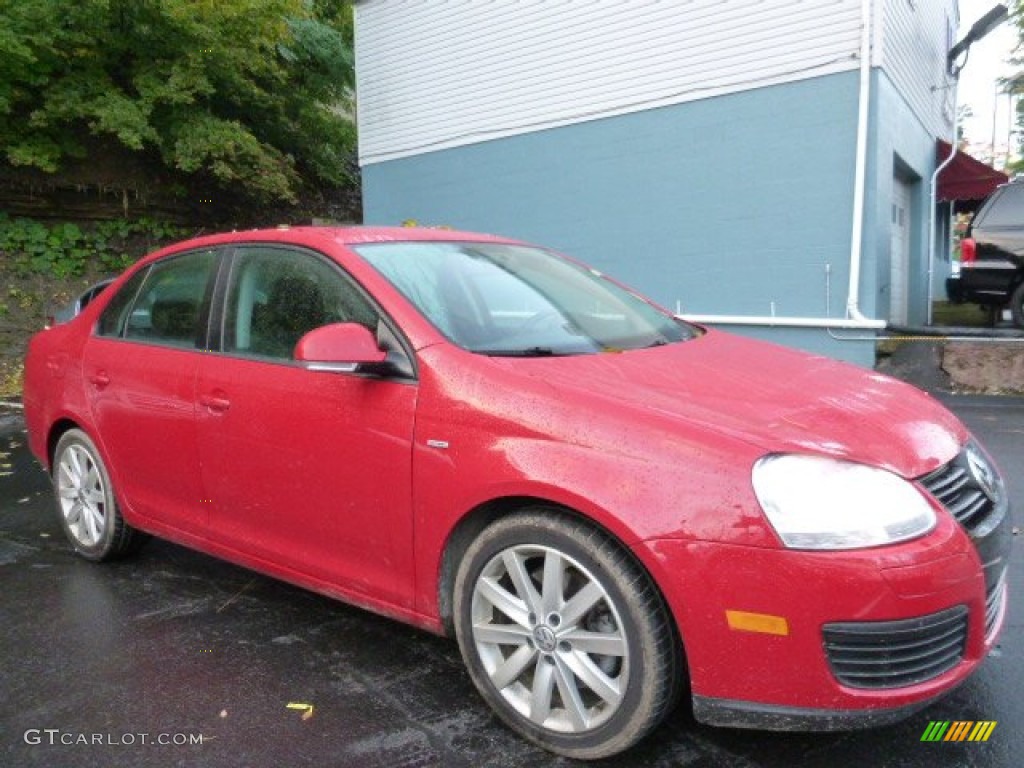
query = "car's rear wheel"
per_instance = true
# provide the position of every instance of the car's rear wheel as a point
(85, 501)
(564, 634)
(1017, 306)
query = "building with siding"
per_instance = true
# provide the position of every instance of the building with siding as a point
(741, 161)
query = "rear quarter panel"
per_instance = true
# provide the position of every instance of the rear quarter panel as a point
(53, 388)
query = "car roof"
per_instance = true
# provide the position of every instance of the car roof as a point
(321, 237)
(318, 235)
(360, 235)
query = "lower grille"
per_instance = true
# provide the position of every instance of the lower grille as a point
(894, 654)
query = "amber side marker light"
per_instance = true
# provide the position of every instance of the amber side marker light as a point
(757, 622)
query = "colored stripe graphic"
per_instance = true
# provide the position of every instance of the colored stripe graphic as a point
(982, 730)
(935, 730)
(959, 730)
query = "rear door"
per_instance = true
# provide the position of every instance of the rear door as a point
(140, 370)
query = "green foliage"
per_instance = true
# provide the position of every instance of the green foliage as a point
(66, 250)
(227, 150)
(252, 95)
(1015, 85)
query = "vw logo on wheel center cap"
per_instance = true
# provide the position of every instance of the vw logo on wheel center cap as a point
(545, 638)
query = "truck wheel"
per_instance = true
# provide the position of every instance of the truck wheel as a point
(1017, 306)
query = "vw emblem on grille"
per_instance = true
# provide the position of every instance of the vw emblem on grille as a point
(982, 473)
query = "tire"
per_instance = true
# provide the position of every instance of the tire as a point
(1017, 306)
(86, 504)
(564, 634)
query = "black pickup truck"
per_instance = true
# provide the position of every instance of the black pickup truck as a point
(992, 254)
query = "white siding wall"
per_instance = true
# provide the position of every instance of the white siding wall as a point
(433, 74)
(915, 37)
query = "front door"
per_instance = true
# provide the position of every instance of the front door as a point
(308, 470)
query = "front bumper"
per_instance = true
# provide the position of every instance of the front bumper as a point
(766, 717)
(789, 681)
(989, 282)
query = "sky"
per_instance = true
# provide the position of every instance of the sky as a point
(987, 63)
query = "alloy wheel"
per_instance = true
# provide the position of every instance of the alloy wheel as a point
(82, 495)
(550, 638)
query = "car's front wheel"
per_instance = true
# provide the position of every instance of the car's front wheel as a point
(564, 634)
(85, 501)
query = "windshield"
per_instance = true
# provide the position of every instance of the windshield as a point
(498, 299)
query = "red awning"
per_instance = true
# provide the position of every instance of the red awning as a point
(965, 178)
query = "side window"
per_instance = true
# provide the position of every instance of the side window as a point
(112, 320)
(168, 306)
(277, 295)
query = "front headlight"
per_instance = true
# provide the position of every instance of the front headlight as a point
(814, 502)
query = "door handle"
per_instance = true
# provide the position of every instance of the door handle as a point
(217, 403)
(100, 380)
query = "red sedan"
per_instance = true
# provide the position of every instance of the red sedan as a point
(605, 505)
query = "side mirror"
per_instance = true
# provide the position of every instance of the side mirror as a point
(341, 348)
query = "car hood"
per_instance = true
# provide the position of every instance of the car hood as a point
(773, 398)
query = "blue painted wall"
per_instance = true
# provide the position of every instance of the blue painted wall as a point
(738, 205)
(901, 147)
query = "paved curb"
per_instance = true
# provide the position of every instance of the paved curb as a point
(984, 366)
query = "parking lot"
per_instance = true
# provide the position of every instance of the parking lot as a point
(174, 658)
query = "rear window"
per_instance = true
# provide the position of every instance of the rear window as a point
(1005, 210)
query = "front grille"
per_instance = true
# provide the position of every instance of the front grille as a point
(994, 605)
(893, 654)
(956, 489)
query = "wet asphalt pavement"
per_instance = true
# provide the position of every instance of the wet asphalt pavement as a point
(176, 659)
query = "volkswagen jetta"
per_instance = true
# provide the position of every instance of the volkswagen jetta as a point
(606, 506)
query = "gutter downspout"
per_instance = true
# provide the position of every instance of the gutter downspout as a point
(932, 198)
(864, 103)
(855, 318)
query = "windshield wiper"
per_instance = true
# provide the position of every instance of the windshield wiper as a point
(524, 352)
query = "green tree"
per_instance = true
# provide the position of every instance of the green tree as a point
(250, 95)
(1015, 84)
